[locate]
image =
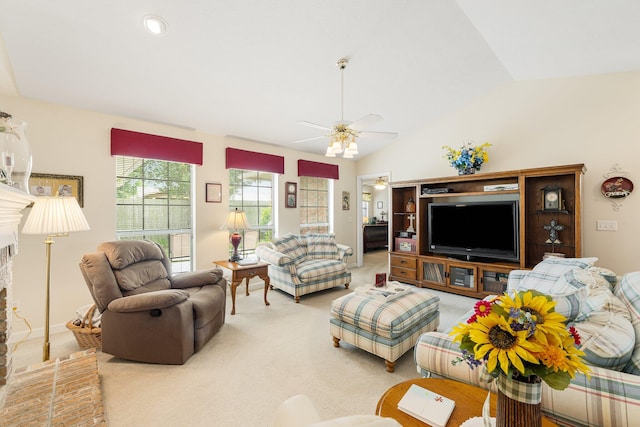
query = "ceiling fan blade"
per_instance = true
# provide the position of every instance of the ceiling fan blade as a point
(309, 139)
(367, 133)
(365, 121)
(313, 125)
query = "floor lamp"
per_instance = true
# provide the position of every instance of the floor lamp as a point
(236, 220)
(55, 217)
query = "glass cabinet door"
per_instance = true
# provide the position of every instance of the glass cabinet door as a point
(462, 276)
(433, 272)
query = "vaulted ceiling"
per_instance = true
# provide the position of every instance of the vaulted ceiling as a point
(254, 68)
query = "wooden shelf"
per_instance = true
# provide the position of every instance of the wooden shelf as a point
(468, 193)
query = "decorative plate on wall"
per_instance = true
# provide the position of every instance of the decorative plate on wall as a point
(617, 187)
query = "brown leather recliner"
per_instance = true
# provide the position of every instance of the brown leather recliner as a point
(148, 314)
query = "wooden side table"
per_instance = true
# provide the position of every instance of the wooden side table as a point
(242, 272)
(469, 400)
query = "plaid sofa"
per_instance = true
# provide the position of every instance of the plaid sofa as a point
(609, 323)
(302, 264)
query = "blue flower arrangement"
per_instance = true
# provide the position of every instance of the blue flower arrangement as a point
(468, 158)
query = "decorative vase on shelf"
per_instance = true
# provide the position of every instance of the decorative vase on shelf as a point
(411, 206)
(15, 150)
(519, 401)
(467, 171)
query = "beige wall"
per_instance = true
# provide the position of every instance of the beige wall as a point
(592, 120)
(69, 141)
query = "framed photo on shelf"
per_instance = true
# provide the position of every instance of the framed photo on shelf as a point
(213, 192)
(41, 184)
(290, 190)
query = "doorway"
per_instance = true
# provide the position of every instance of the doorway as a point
(376, 206)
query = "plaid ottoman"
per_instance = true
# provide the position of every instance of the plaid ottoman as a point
(387, 329)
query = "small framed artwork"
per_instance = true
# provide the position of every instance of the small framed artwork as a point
(213, 192)
(41, 184)
(379, 205)
(346, 200)
(290, 191)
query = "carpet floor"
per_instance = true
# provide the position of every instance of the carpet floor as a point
(260, 357)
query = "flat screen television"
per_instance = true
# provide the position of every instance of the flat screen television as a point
(475, 230)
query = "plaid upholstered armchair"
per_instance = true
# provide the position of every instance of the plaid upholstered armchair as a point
(149, 314)
(300, 265)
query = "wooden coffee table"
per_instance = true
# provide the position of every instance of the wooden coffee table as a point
(469, 401)
(242, 272)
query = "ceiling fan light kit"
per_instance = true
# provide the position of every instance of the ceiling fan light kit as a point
(342, 135)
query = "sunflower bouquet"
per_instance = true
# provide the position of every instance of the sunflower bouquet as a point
(468, 156)
(521, 335)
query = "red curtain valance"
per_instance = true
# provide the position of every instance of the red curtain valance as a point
(253, 161)
(317, 169)
(137, 144)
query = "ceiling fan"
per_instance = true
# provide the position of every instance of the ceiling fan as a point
(342, 135)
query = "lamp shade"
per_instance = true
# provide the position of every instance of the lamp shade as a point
(236, 220)
(55, 215)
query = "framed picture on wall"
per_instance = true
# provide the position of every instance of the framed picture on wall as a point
(380, 205)
(346, 200)
(291, 197)
(213, 193)
(41, 184)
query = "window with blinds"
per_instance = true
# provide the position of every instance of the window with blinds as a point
(253, 193)
(154, 202)
(313, 204)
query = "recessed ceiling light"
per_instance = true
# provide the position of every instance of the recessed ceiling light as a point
(154, 24)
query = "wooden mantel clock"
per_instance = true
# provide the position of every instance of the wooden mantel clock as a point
(552, 198)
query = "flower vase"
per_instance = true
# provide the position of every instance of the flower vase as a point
(467, 171)
(519, 402)
(15, 154)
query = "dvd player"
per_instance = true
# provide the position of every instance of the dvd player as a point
(437, 190)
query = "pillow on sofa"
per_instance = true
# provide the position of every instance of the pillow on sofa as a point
(581, 291)
(290, 246)
(607, 338)
(628, 290)
(601, 318)
(544, 275)
(321, 246)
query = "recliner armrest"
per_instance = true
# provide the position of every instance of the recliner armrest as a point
(273, 257)
(148, 301)
(196, 278)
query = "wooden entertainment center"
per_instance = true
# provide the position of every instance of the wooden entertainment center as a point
(413, 262)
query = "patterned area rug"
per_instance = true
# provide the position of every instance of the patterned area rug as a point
(61, 392)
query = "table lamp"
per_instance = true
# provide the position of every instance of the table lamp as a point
(236, 220)
(56, 217)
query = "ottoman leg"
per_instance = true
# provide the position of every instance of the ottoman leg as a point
(390, 365)
(336, 342)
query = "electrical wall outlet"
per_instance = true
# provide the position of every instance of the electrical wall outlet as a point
(15, 306)
(602, 225)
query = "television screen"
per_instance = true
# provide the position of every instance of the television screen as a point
(475, 229)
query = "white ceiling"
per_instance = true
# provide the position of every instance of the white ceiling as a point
(253, 68)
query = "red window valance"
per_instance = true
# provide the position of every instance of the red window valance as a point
(137, 144)
(253, 161)
(317, 169)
